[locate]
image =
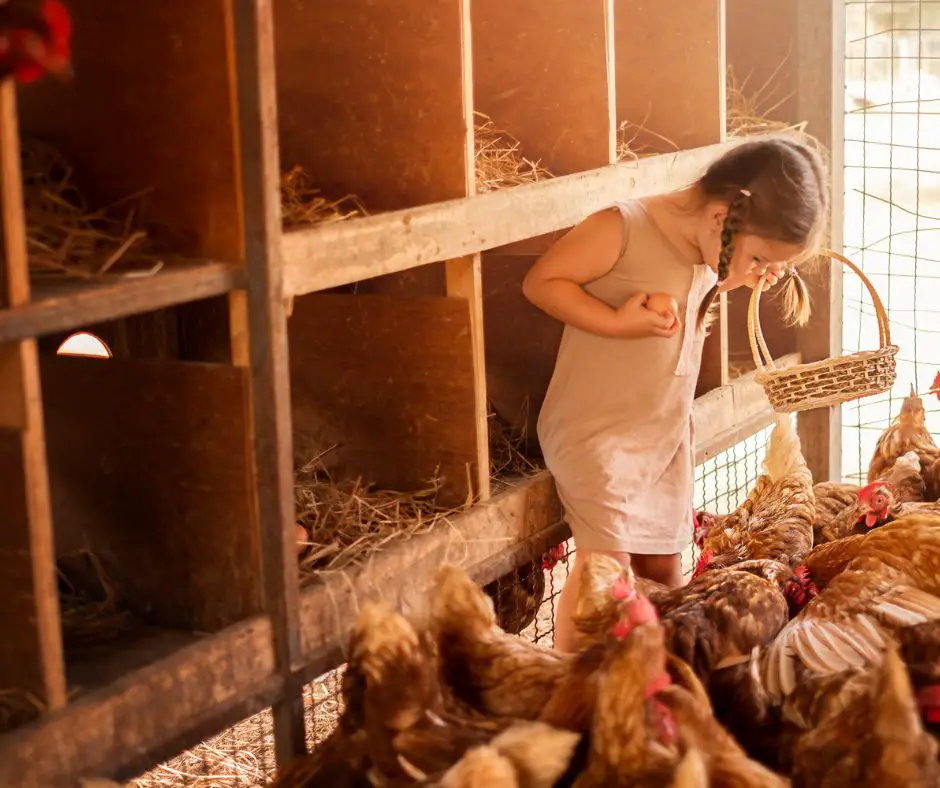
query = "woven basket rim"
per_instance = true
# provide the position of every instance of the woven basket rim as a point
(862, 356)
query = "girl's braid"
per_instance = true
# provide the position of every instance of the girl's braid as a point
(730, 228)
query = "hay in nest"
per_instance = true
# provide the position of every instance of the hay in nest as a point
(302, 204)
(67, 239)
(348, 521)
(746, 112)
(498, 161)
(91, 606)
(630, 146)
(508, 456)
(18, 707)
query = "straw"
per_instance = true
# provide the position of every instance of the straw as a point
(18, 707)
(90, 604)
(498, 161)
(347, 521)
(302, 204)
(64, 237)
(508, 456)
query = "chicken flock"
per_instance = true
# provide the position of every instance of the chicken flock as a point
(805, 651)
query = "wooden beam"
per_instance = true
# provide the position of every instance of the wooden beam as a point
(31, 660)
(820, 76)
(465, 280)
(232, 674)
(253, 42)
(69, 305)
(346, 252)
(728, 414)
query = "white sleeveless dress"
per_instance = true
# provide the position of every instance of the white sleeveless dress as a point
(616, 424)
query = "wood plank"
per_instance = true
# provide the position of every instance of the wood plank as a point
(370, 99)
(188, 696)
(150, 106)
(346, 252)
(465, 280)
(683, 102)
(31, 659)
(540, 73)
(75, 304)
(390, 381)
(149, 469)
(727, 415)
(270, 414)
(230, 675)
(820, 73)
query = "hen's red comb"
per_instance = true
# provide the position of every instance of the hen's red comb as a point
(56, 15)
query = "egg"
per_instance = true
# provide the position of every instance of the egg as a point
(301, 537)
(663, 304)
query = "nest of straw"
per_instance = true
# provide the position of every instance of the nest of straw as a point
(498, 161)
(65, 238)
(347, 521)
(302, 204)
(91, 606)
(508, 444)
(746, 112)
(18, 707)
(631, 145)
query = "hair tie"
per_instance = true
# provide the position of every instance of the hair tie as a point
(745, 192)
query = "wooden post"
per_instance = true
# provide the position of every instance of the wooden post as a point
(32, 658)
(270, 375)
(820, 71)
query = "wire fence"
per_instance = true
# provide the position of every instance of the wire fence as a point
(892, 204)
(243, 756)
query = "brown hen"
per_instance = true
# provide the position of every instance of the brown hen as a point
(902, 483)
(907, 433)
(495, 673)
(892, 581)
(776, 520)
(868, 735)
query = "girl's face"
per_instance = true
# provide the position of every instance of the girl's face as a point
(753, 256)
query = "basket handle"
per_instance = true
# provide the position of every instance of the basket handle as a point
(762, 358)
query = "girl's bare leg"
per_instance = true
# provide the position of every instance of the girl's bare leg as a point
(665, 569)
(568, 600)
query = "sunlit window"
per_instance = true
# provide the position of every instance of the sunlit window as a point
(84, 344)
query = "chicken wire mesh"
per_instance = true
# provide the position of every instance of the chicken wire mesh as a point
(892, 204)
(243, 756)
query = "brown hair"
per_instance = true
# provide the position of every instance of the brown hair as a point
(775, 189)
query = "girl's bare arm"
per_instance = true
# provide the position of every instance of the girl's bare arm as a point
(587, 252)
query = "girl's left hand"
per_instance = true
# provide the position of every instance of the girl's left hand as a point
(767, 276)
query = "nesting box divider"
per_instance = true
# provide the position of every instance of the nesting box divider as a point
(541, 78)
(32, 675)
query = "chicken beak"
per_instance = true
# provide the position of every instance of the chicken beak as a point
(871, 520)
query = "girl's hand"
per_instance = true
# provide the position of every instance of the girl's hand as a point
(634, 321)
(767, 276)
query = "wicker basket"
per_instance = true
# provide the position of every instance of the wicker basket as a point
(831, 381)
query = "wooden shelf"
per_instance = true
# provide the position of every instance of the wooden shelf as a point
(70, 304)
(346, 252)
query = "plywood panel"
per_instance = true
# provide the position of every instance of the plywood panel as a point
(540, 72)
(389, 380)
(149, 468)
(150, 107)
(370, 99)
(30, 651)
(670, 70)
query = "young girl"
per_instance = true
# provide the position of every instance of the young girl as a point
(616, 425)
